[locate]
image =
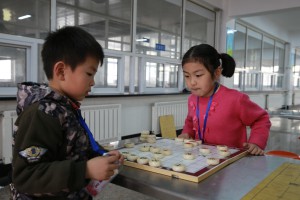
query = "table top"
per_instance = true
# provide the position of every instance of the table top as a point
(232, 182)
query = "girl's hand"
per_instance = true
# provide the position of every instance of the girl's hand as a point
(253, 149)
(184, 136)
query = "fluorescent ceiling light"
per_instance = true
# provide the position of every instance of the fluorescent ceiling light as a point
(231, 31)
(141, 40)
(24, 17)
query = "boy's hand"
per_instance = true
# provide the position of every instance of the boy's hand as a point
(184, 136)
(253, 149)
(102, 167)
(118, 154)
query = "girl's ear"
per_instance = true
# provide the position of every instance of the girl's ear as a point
(218, 72)
(59, 70)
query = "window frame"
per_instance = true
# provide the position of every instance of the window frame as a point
(142, 75)
(31, 68)
(120, 77)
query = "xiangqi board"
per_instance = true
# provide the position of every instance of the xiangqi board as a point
(195, 163)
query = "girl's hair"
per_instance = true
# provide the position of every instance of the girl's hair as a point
(71, 45)
(210, 58)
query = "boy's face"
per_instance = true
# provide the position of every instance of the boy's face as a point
(78, 83)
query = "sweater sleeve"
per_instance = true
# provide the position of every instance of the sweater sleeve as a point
(257, 118)
(49, 173)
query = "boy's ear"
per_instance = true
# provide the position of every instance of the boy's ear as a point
(59, 70)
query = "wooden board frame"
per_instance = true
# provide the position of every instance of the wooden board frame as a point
(193, 177)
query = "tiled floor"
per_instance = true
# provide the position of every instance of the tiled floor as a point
(111, 192)
(284, 135)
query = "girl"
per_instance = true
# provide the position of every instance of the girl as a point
(217, 114)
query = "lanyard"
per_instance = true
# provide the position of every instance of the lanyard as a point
(201, 137)
(94, 144)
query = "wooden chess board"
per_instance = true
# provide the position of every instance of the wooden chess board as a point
(196, 169)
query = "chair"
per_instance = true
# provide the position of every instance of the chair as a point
(282, 153)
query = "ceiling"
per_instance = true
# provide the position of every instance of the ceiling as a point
(287, 19)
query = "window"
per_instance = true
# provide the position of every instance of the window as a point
(259, 59)
(161, 75)
(109, 77)
(14, 59)
(158, 76)
(141, 39)
(13, 62)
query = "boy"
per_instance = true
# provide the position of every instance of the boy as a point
(53, 157)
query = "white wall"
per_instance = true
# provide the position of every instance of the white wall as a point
(254, 12)
(137, 110)
(243, 8)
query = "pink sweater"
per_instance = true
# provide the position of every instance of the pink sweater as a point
(230, 113)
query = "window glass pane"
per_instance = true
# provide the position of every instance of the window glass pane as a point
(160, 75)
(12, 64)
(199, 26)
(41, 74)
(64, 16)
(267, 80)
(279, 81)
(296, 67)
(237, 79)
(253, 50)
(251, 80)
(30, 18)
(239, 45)
(158, 28)
(279, 58)
(109, 21)
(107, 74)
(238, 52)
(268, 55)
(127, 74)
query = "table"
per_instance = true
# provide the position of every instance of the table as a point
(232, 182)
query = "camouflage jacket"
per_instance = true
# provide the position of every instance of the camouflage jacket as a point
(50, 146)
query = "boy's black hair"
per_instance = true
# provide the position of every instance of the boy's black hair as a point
(71, 45)
(210, 58)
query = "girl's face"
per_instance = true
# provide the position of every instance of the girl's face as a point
(198, 79)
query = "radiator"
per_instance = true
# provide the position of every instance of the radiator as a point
(7, 123)
(178, 109)
(104, 122)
